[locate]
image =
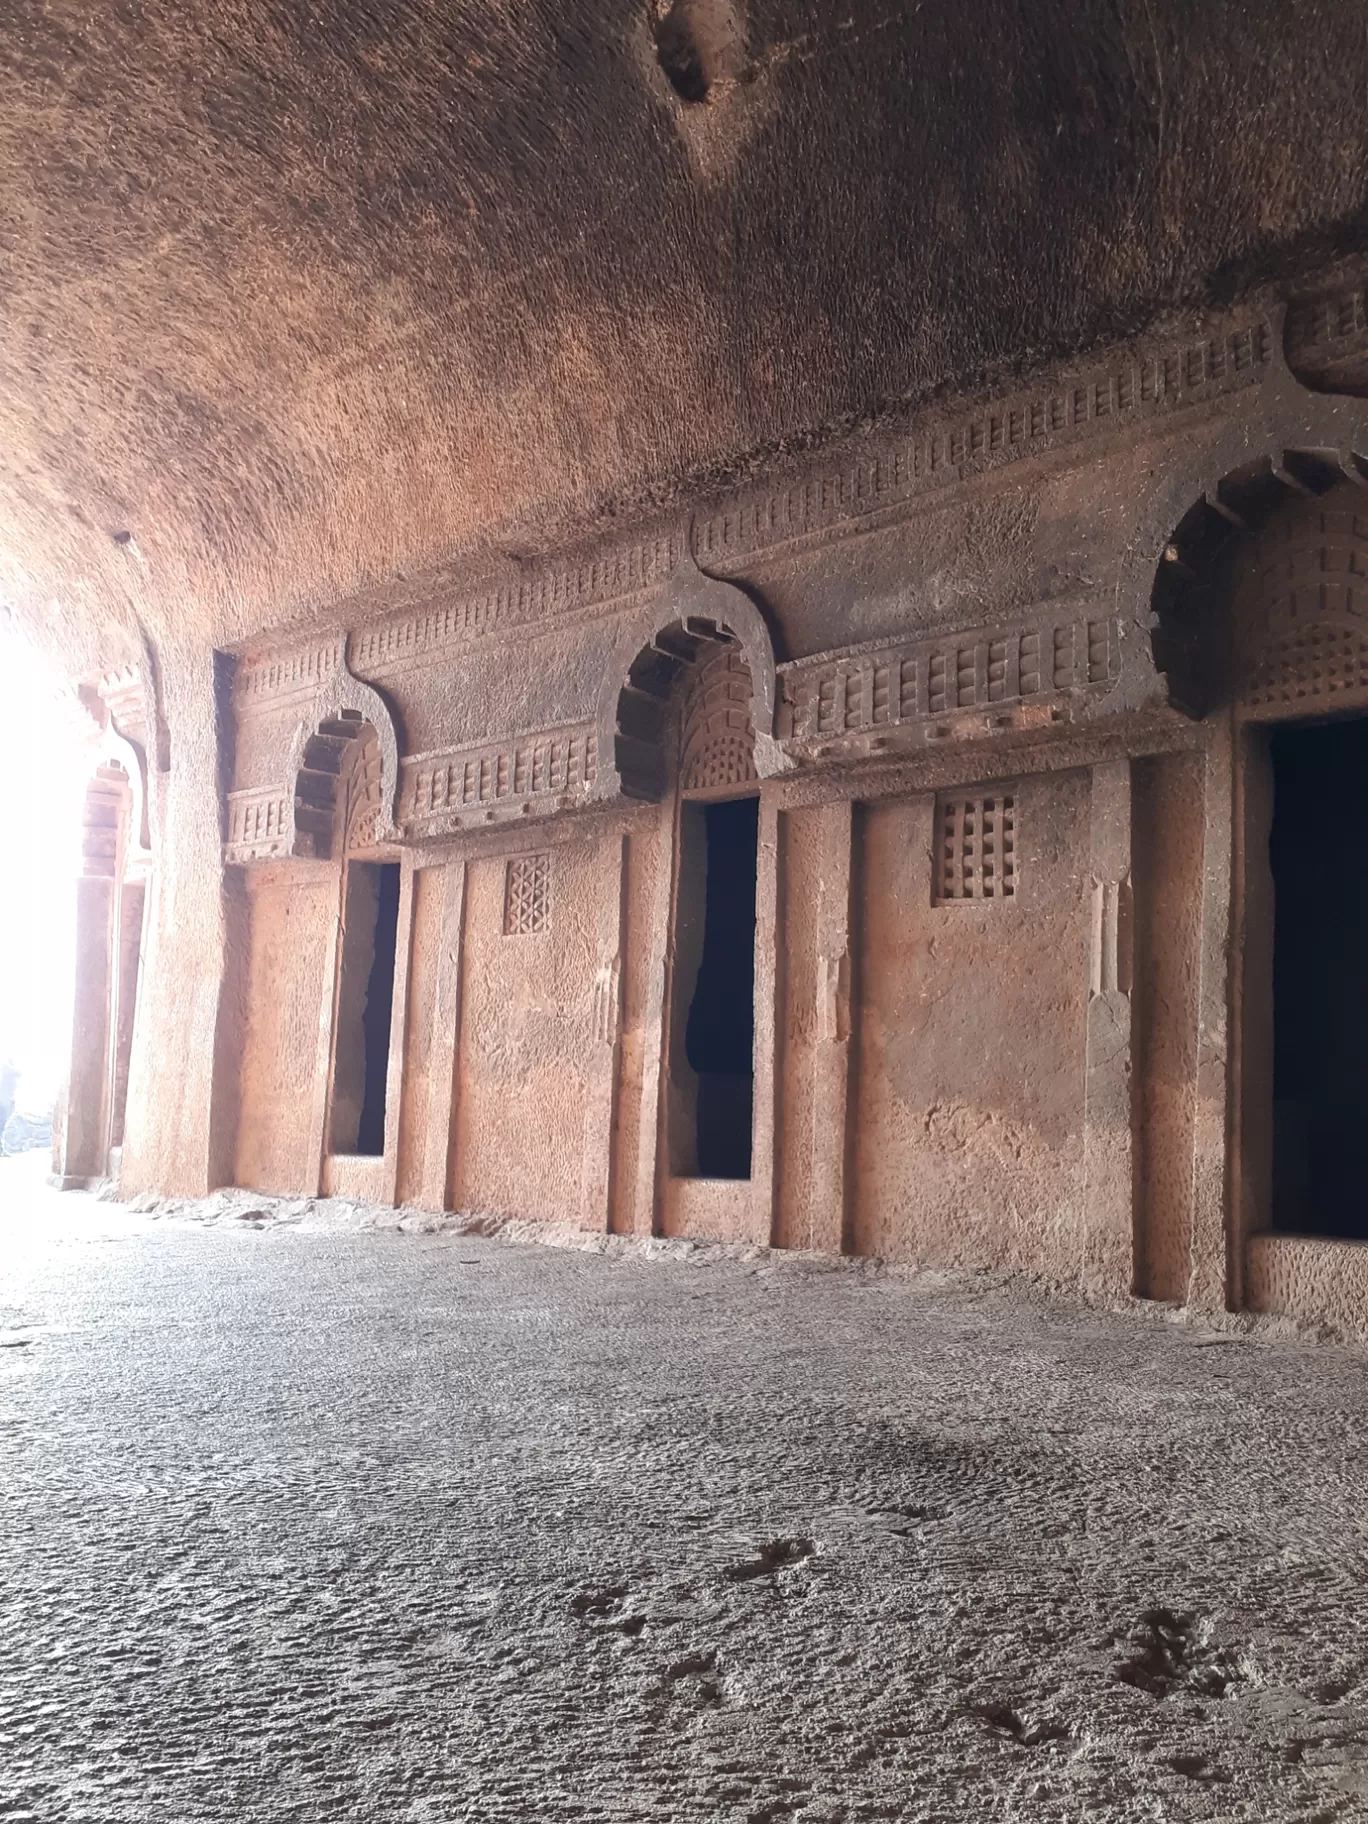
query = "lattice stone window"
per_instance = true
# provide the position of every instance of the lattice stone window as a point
(976, 848)
(527, 896)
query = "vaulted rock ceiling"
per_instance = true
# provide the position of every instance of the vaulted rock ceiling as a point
(298, 297)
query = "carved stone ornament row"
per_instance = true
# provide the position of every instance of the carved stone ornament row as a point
(847, 703)
(882, 479)
(1051, 665)
(936, 689)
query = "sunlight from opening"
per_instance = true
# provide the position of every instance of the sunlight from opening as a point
(42, 761)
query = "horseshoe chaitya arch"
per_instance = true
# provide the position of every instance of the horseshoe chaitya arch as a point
(1276, 513)
(692, 622)
(321, 761)
(1187, 530)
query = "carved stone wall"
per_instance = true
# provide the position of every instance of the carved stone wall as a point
(1300, 608)
(717, 745)
(932, 655)
(531, 647)
(358, 798)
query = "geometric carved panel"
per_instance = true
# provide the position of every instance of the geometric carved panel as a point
(361, 796)
(718, 744)
(975, 848)
(527, 896)
(1301, 608)
(913, 686)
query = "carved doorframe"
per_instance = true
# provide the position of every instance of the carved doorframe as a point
(1299, 657)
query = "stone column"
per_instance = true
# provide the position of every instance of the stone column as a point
(85, 1127)
(1210, 1285)
(1108, 1154)
(443, 1061)
(814, 1042)
(602, 1064)
(763, 1175)
(394, 1070)
(645, 970)
(322, 1062)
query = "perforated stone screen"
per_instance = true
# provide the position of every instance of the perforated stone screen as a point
(976, 848)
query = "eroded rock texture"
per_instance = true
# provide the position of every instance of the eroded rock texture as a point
(298, 298)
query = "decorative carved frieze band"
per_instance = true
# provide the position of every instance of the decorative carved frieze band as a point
(892, 473)
(394, 644)
(259, 825)
(1327, 340)
(272, 681)
(928, 685)
(524, 775)
(1028, 423)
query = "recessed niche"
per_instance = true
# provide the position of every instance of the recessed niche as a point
(700, 43)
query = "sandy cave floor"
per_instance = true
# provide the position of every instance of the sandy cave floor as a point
(305, 1519)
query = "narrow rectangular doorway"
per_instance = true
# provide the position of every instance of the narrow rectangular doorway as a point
(365, 1001)
(713, 1011)
(1318, 855)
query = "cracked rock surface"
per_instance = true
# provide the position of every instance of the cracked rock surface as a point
(300, 1522)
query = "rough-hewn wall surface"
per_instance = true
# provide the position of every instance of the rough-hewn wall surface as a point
(296, 299)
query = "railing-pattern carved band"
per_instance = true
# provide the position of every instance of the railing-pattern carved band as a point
(1024, 424)
(273, 680)
(392, 645)
(523, 775)
(259, 825)
(891, 473)
(825, 700)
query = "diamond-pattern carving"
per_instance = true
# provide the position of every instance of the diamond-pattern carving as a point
(527, 896)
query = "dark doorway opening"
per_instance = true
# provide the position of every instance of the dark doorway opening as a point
(719, 1036)
(1318, 852)
(365, 1001)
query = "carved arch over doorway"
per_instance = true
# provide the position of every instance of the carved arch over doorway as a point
(1203, 649)
(110, 916)
(694, 622)
(322, 763)
(1175, 576)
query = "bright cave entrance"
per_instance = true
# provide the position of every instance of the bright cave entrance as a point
(719, 1033)
(1318, 852)
(365, 1002)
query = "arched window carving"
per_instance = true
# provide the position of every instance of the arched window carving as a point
(698, 619)
(350, 725)
(645, 701)
(324, 800)
(1206, 645)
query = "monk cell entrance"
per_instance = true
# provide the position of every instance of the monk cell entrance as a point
(1318, 854)
(364, 1004)
(715, 988)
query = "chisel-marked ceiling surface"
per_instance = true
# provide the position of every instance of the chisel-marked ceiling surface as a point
(297, 297)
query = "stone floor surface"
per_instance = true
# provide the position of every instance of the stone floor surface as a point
(304, 1519)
